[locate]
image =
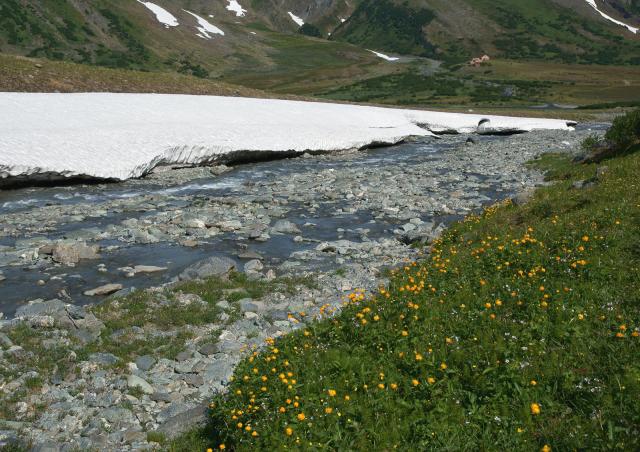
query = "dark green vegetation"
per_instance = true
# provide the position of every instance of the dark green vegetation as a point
(385, 25)
(519, 331)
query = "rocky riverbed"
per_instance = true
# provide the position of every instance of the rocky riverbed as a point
(222, 259)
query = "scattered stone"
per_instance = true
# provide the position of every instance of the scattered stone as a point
(206, 349)
(106, 359)
(133, 381)
(145, 362)
(107, 289)
(216, 266)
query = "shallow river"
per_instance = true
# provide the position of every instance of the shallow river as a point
(328, 221)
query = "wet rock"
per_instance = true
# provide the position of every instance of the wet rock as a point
(250, 255)
(254, 266)
(107, 289)
(285, 227)
(216, 266)
(70, 252)
(133, 271)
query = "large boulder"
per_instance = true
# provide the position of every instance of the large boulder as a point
(71, 252)
(215, 266)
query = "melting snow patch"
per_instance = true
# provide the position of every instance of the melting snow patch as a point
(235, 7)
(204, 27)
(163, 16)
(383, 56)
(296, 19)
(594, 5)
(121, 136)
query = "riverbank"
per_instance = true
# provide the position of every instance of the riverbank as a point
(140, 368)
(520, 331)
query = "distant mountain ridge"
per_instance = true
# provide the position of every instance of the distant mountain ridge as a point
(205, 37)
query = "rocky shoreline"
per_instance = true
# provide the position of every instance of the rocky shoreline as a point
(142, 365)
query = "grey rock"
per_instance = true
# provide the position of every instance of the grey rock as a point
(253, 266)
(285, 227)
(184, 355)
(104, 358)
(179, 423)
(145, 362)
(160, 397)
(208, 349)
(523, 197)
(248, 305)
(215, 266)
(223, 304)
(194, 380)
(71, 252)
(133, 381)
(107, 289)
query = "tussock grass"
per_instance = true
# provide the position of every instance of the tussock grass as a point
(520, 331)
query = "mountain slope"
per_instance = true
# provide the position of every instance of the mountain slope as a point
(561, 30)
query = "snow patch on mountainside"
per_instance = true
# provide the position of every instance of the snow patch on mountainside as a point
(383, 56)
(121, 136)
(296, 19)
(204, 27)
(235, 7)
(163, 16)
(594, 5)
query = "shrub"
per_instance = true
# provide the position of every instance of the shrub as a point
(625, 130)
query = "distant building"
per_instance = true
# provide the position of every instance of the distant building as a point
(476, 62)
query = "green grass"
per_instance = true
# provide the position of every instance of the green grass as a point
(519, 331)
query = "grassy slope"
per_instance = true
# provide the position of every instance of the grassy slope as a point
(519, 331)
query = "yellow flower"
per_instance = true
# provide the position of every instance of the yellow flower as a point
(415, 382)
(289, 431)
(418, 357)
(535, 409)
(431, 380)
(254, 434)
(394, 386)
(347, 398)
(282, 409)
(209, 450)
(405, 333)
(240, 425)
(443, 366)
(328, 410)
(332, 392)
(222, 447)
(546, 448)
(585, 238)
(380, 386)
(533, 382)
(301, 417)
